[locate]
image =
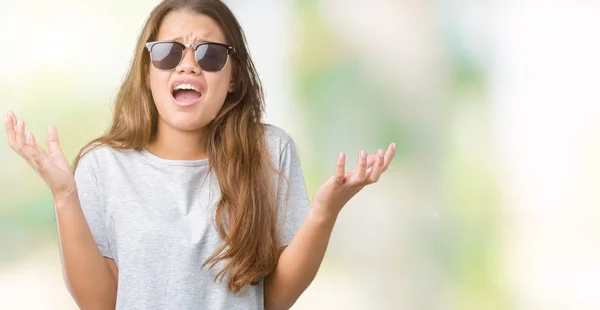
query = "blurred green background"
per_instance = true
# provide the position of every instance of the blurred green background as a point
(490, 203)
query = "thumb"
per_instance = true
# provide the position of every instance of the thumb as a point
(53, 145)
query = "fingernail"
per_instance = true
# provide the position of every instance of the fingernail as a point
(341, 156)
(380, 152)
(19, 123)
(6, 118)
(394, 146)
(28, 136)
(363, 154)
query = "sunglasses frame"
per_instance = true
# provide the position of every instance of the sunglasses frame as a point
(230, 51)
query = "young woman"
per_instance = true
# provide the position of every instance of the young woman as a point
(189, 201)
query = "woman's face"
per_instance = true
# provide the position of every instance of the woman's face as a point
(186, 110)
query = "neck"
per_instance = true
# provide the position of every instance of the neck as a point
(173, 144)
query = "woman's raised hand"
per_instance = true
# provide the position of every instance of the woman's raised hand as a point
(52, 166)
(342, 185)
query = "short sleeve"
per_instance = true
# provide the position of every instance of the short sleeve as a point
(91, 202)
(293, 205)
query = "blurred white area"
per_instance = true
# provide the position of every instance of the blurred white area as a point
(267, 25)
(35, 283)
(87, 44)
(546, 118)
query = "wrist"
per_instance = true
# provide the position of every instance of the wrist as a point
(323, 213)
(63, 199)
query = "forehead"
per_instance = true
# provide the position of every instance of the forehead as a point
(189, 27)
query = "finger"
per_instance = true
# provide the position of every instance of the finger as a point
(360, 172)
(10, 130)
(20, 135)
(13, 118)
(340, 168)
(389, 155)
(370, 160)
(53, 145)
(377, 167)
(30, 151)
(37, 154)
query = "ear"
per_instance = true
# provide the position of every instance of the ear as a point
(236, 76)
(231, 86)
(232, 81)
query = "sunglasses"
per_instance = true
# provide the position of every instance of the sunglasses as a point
(167, 55)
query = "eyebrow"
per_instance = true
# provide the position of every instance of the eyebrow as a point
(181, 39)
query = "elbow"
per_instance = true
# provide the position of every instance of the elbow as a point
(281, 305)
(280, 302)
(94, 304)
(281, 293)
(91, 300)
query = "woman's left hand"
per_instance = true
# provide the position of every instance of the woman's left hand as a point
(342, 186)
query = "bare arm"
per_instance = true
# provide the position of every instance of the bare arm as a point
(90, 278)
(87, 273)
(301, 259)
(299, 262)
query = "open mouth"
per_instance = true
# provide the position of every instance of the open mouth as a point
(186, 94)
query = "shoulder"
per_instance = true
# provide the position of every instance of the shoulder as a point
(98, 156)
(281, 146)
(278, 140)
(276, 135)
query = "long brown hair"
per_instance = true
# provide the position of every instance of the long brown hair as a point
(246, 214)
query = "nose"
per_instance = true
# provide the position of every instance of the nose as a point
(189, 64)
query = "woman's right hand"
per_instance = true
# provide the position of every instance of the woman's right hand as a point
(52, 166)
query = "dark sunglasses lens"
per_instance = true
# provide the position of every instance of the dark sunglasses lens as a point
(166, 56)
(212, 57)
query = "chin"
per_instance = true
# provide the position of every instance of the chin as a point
(184, 122)
(192, 126)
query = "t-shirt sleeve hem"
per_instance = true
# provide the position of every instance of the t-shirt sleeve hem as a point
(105, 251)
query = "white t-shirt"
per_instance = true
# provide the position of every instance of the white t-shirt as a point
(155, 218)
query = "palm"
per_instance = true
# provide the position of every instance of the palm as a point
(331, 189)
(59, 171)
(342, 186)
